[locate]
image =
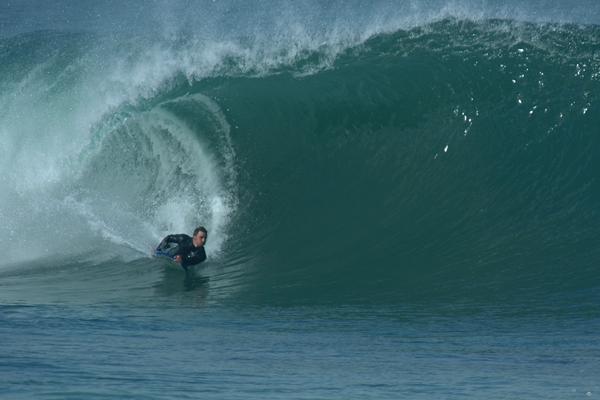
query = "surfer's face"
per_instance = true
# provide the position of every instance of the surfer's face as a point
(199, 239)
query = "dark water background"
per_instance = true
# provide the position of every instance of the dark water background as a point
(402, 199)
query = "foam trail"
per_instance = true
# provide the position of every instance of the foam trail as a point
(91, 157)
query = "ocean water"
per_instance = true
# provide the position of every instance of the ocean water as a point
(402, 198)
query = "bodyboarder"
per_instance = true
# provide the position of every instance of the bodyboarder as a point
(183, 249)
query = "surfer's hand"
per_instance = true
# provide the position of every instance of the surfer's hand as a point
(177, 259)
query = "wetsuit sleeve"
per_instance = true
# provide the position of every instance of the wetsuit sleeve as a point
(164, 242)
(192, 258)
(178, 239)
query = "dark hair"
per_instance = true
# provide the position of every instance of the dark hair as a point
(201, 229)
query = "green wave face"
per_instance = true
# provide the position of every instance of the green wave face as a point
(450, 160)
(456, 159)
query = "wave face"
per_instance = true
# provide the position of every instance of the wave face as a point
(434, 156)
(457, 158)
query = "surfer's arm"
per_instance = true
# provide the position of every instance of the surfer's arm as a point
(178, 239)
(193, 260)
(163, 243)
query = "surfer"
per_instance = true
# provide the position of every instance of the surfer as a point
(183, 249)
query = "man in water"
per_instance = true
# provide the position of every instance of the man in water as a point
(183, 249)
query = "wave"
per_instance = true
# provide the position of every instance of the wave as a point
(451, 159)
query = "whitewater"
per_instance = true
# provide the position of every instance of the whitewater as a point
(401, 198)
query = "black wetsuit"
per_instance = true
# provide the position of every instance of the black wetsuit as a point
(182, 245)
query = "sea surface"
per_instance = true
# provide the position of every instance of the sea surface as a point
(402, 199)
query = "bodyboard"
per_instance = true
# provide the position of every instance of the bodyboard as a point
(163, 255)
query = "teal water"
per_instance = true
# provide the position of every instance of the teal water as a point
(402, 199)
(175, 352)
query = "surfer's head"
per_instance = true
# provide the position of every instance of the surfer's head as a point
(200, 236)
